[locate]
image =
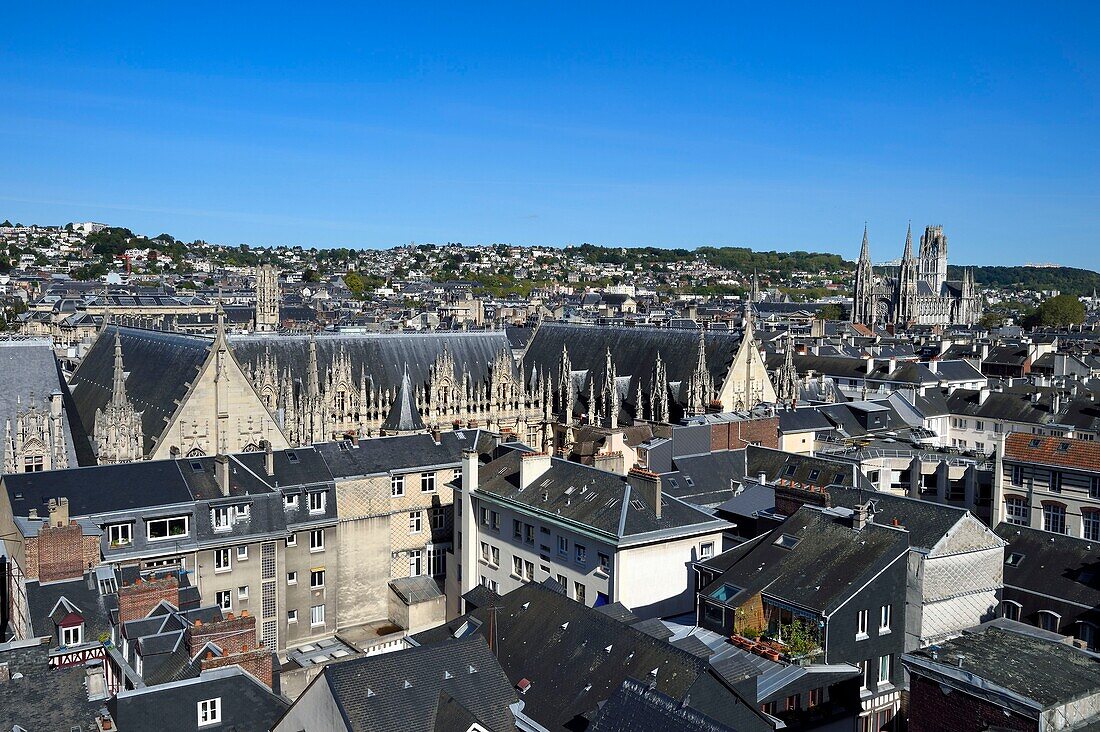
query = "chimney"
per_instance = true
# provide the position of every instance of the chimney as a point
(437, 435)
(55, 404)
(221, 473)
(531, 466)
(469, 470)
(59, 511)
(934, 366)
(983, 394)
(860, 516)
(893, 364)
(269, 458)
(647, 485)
(869, 365)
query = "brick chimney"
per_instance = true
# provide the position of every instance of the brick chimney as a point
(791, 496)
(60, 550)
(221, 473)
(233, 634)
(531, 466)
(256, 661)
(647, 486)
(136, 600)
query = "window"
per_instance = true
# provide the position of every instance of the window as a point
(1086, 633)
(222, 518)
(317, 540)
(865, 675)
(578, 592)
(580, 554)
(72, 636)
(1017, 475)
(290, 500)
(605, 562)
(528, 570)
(316, 616)
(166, 528)
(242, 553)
(1094, 487)
(1010, 610)
(815, 697)
(1054, 518)
(517, 529)
(1090, 525)
(317, 502)
(517, 567)
(224, 599)
(291, 456)
(861, 624)
(222, 561)
(316, 579)
(415, 522)
(885, 668)
(397, 485)
(494, 558)
(884, 619)
(1055, 482)
(292, 616)
(33, 464)
(1016, 511)
(1014, 559)
(484, 516)
(416, 562)
(792, 702)
(120, 534)
(210, 711)
(496, 520)
(437, 560)
(458, 476)
(528, 534)
(563, 546)
(242, 593)
(563, 582)
(485, 551)
(439, 519)
(1049, 620)
(706, 550)
(292, 578)
(427, 482)
(979, 424)
(489, 583)
(292, 540)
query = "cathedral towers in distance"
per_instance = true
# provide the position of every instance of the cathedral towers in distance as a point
(267, 298)
(920, 293)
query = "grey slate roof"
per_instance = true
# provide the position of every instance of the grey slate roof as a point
(1052, 565)
(403, 415)
(160, 367)
(28, 367)
(382, 356)
(246, 704)
(89, 604)
(925, 521)
(1046, 672)
(22, 701)
(829, 563)
(589, 497)
(637, 708)
(396, 453)
(404, 689)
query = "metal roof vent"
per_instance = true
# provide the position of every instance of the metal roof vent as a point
(408, 685)
(565, 625)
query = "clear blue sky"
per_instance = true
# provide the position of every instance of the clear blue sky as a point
(613, 124)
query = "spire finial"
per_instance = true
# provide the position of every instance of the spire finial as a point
(864, 249)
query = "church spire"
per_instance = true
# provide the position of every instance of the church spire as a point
(313, 385)
(864, 251)
(118, 386)
(907, 255)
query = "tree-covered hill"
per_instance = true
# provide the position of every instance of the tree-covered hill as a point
(1069, 280)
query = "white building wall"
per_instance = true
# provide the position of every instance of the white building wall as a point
(655, 580)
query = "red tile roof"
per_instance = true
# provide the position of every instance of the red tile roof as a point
(1077, 454)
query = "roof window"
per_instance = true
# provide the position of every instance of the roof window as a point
(1063, 447)
(196, 466)
(1035, 442)
(1014, 559)
(787, 541)
(292, 456)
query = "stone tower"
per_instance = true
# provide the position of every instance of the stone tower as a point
(117, 432)
(906, 296)
(933, 258)
(267, 298)
(863, 300)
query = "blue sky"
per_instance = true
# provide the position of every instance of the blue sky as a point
(618, 124)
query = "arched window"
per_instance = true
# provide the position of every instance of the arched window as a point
(1090, 524)
(1010, 610)
(1086, 632)
(1054, 517)
(1016, 511)
(1049, 620)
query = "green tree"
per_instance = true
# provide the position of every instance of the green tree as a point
(832, 311)
(311, 275)
(1058, 312)
(354, 282)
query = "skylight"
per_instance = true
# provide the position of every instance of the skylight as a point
(787, 541)
(1014, 559)
(292, 456)
(1035, 443)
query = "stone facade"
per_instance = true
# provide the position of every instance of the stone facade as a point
(35, 439)
(267, 298)
(117, 430)
(920, 293)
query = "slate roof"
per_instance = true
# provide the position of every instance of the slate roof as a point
(637, 708)
(160, 367)
(246, 704)
(830, 561)
(592, 498)
(1052, 565)
(22, 700)
(1062, 452)
(382, 356)
(396, 453)
(406, 689)
(806, 469)
(576, 657)
(403, 415)
(926, 522)
(803, 420)
(28, 368)
(1047, 672)
(96, 609)
(634, 351)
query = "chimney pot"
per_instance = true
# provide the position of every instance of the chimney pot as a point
(269, 458)
(221, 473)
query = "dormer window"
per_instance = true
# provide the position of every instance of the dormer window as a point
(317, 502)
(290, 500)
(71, 630)
(222, 518)
(175, 527)
(120, 534)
